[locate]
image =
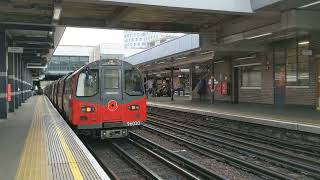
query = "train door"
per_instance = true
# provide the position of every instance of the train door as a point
(111, 95)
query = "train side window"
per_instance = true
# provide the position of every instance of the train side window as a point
(133, 82)
(87, 83)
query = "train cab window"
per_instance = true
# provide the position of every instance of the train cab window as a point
(87, 83)
(133, 82)
(111, 79)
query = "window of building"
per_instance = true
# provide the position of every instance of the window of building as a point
(87, 83)
(297, 66)
(251, 76)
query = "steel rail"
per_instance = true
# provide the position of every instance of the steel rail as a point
(109, 171)
(294, 165)
(147, 171)
(261, 151)
(204, 172)
(305, 148)
(166, 161)
(260, 169)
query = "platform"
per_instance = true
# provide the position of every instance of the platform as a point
(295, 118)
(36, 143)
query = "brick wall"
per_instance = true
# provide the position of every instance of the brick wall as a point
(306, 96)
(265, 93)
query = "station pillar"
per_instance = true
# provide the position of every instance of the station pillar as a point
(212, 81)
(11, 80)
(15, 87)
(191, 80)
(19, 78)
(3, 73)
(147, 85)
(23, 69)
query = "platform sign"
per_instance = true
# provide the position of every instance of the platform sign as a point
(306, 52)
(15, 49)
(224, 88)
(9, 94)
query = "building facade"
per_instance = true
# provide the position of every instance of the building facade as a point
(145, 40)
(67, 59)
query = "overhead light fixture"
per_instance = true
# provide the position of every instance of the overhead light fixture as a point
(303, 42)
(57, 13)
(37, 67)
(261, 35)
(185, 70)
(247, 57)
(310, 4)
(217, 62)
(50, 33)
(181, 58)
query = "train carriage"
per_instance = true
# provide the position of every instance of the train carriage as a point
(105, 97)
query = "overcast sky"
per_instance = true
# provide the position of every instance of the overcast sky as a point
(90, 37)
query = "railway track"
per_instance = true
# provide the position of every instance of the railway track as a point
(239, 144)
(201, 122)
(256, 159)
(138, 158)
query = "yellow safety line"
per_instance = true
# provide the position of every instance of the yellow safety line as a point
(34, 161)
(71, 160)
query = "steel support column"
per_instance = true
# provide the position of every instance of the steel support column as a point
(3, 73)
(191, 80)
(147, 86)
(22, 81)
(172, 88)
(19, 79)
(11, 80)
(212, 80)
(16, 82)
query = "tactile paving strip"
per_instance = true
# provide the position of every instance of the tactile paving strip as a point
(68, 157)
(34, 161)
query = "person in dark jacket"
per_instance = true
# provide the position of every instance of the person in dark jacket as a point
(201, 88)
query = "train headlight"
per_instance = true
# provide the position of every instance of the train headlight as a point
(134, 107)
(87, 109)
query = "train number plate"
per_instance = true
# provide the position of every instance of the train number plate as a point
(134, 123)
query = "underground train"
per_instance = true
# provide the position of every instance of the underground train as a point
(105, 98)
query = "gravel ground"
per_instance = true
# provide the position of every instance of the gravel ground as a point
(161, 169)
(117, 164)
(294, 156)
(216, 166)
(234, 152)
(206, 126)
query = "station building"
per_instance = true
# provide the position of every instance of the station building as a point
(284, 73)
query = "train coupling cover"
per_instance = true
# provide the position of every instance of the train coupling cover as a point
(113, 133)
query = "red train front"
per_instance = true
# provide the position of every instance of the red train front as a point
(105, 97)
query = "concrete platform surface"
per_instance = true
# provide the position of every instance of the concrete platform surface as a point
(295, 118)
(36, 143)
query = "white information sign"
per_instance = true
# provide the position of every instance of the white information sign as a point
(306, 52)
(15, 49)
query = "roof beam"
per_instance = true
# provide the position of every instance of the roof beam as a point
(34, 46)
(32, 39)
(28, 27)
(217, 6)
(154, 26)
(118, 14)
